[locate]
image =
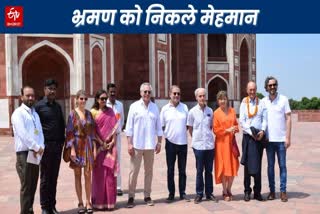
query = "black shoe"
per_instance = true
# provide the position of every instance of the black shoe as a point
(170, 198)
(130, 203)
(149, 201)
(258, 197)
(211, 198)
(246, 196)
(55, 211)
(45, 211)
(119, 192)
(198, 199)
(185, 197)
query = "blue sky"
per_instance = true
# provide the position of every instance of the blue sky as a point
(294, 59)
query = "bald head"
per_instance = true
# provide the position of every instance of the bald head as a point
(252, 89)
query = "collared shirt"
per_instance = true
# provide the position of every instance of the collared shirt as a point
(27, 129)
(118, 111)
(174, 120)
(143, 124)
(52, 120)
(276, 111)
(259, 121)
(201, 122)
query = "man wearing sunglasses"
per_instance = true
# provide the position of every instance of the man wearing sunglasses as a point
(279, 134)
(142, 128)
(118, 111)
(53, 124)
(173, 119)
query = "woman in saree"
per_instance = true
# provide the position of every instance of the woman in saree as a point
(225, 126)
(80, 136)
(104, 182)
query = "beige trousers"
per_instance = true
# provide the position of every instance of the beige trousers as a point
(135, 163)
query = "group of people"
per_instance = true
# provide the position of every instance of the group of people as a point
(93, 138)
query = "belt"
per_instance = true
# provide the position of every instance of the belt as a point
(21, 152)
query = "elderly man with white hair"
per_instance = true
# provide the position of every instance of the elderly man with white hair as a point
(199, 122)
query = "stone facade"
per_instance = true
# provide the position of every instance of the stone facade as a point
(90, 61)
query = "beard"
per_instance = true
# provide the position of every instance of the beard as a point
(28, 103)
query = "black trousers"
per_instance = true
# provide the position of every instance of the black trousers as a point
(49, 172)
(257, 177)
(28, 175)
(172, 152)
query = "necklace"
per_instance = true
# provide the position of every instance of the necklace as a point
(248, 107)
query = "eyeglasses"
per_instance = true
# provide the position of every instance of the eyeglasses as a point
(147, 92)
(103, 98)
(273, 85)
(176, 93)
(83, 98)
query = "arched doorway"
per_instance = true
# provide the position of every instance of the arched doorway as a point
(244, 68)
(43, 63)
(215, 85)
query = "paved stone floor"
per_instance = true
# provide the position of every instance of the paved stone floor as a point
(303, 163)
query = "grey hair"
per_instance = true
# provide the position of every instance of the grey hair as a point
(145, 84)
(173, 86)
(197, 91)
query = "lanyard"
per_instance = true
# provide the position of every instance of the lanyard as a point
(32, 117)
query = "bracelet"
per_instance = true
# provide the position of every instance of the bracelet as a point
(159, 143)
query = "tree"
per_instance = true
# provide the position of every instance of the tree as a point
(259, 95)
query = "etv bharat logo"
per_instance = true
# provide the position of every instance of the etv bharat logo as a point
(13, 16)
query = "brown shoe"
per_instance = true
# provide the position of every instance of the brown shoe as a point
(271, 196)
(283, 196)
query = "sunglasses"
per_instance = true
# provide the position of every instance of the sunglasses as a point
(103, 98)
(51, 88)
(147, 92)
(176, 93)
(273, 85)
(83, 98)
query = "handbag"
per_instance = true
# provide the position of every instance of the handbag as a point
(235, 149)
(66, 154)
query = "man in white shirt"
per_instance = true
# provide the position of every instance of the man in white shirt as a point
(252, 117)
(279, 134)
(142, 128)
(199, 122)
(28, 137)
(118, 111)
(173, 119)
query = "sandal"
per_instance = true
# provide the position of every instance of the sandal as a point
(89, 210)
(82, 209)
(225, 196)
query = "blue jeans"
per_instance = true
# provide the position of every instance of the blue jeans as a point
(279, 149)
(204, 161)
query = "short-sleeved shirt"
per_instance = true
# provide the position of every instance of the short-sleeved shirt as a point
(174, 120)
(276, 114)
(201, 122)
